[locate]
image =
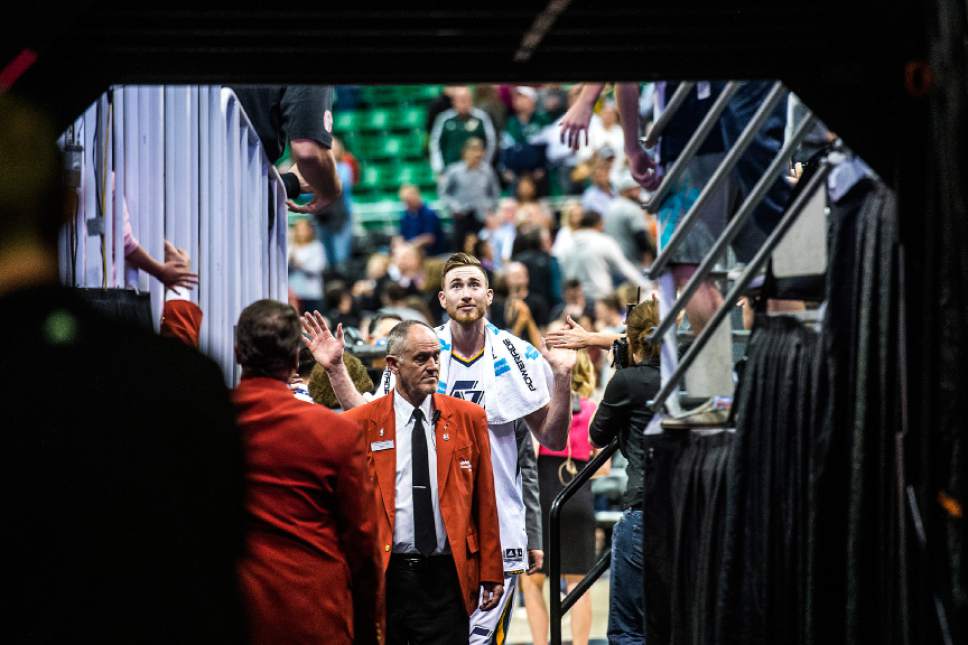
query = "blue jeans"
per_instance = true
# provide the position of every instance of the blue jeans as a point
(626, 612)
(338, 244)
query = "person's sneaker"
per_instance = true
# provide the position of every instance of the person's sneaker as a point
(714, 413)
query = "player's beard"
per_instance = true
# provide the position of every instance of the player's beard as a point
(467, 316)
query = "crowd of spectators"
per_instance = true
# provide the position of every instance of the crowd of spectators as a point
(498, 156)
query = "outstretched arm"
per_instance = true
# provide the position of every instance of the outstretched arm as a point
(579, 115)
(551, 423)
(316, 167)
(640, 163)
(327, 349)
(574, 336)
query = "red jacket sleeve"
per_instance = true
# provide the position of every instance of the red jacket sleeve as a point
(182, 320)
(488, 527)
(358, 535)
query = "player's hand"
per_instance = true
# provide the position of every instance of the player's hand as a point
(535, 560)
(562, 360)
(491, 593)
(325, 347)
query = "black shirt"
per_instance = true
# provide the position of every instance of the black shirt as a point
(122, 481)
(623, 412)
(281, 113)
(684, 124)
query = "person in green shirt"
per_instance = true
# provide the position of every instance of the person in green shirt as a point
(453, 127)
(522, 143)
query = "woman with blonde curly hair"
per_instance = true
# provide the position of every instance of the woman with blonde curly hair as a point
(624, 413)
(555, 470)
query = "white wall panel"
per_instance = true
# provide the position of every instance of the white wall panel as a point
(190, 169)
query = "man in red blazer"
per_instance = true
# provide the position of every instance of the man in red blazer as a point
(437, 523)
(312, 572)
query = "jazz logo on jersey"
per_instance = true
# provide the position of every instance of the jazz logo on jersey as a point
(468, 391)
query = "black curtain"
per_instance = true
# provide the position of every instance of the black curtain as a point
(934, 230)
(762, 586)
(683, 516)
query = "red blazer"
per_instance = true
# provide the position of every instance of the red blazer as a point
(467, 502)
(182, 319)
(312, 572)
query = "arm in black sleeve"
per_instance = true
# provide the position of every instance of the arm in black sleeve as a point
(529, 485)
(304, 113)
(613, 412)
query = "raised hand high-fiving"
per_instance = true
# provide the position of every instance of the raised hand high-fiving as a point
(326, 347)
(562, 360)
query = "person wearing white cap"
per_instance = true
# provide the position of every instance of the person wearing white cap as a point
(626, 223)
(522, 144)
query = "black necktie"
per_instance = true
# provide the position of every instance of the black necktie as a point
(424, 531)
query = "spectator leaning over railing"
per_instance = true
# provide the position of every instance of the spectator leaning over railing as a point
(454, 127)
(301, 115)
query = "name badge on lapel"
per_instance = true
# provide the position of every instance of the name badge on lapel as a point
(377, 446)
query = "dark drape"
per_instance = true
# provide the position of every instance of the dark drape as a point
(762, 587)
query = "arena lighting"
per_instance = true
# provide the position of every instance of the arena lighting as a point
(539, 28)
(16, 67)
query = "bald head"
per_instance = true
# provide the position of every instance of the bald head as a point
(461, 99)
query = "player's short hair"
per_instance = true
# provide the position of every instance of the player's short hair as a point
(458, 260)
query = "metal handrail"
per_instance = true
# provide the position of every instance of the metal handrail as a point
(678, 98)
(789, 218)
(698, 137)
(745, 211)
(777, 92)
(559, 606)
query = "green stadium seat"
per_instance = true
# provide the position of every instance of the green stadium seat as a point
(376, 119)
(371, 179)
(346, 120)
(381, 94)
(386, 147)
(415, 173)
(410, 118)
(424, 93)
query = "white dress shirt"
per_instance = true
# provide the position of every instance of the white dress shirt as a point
(403, 531)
